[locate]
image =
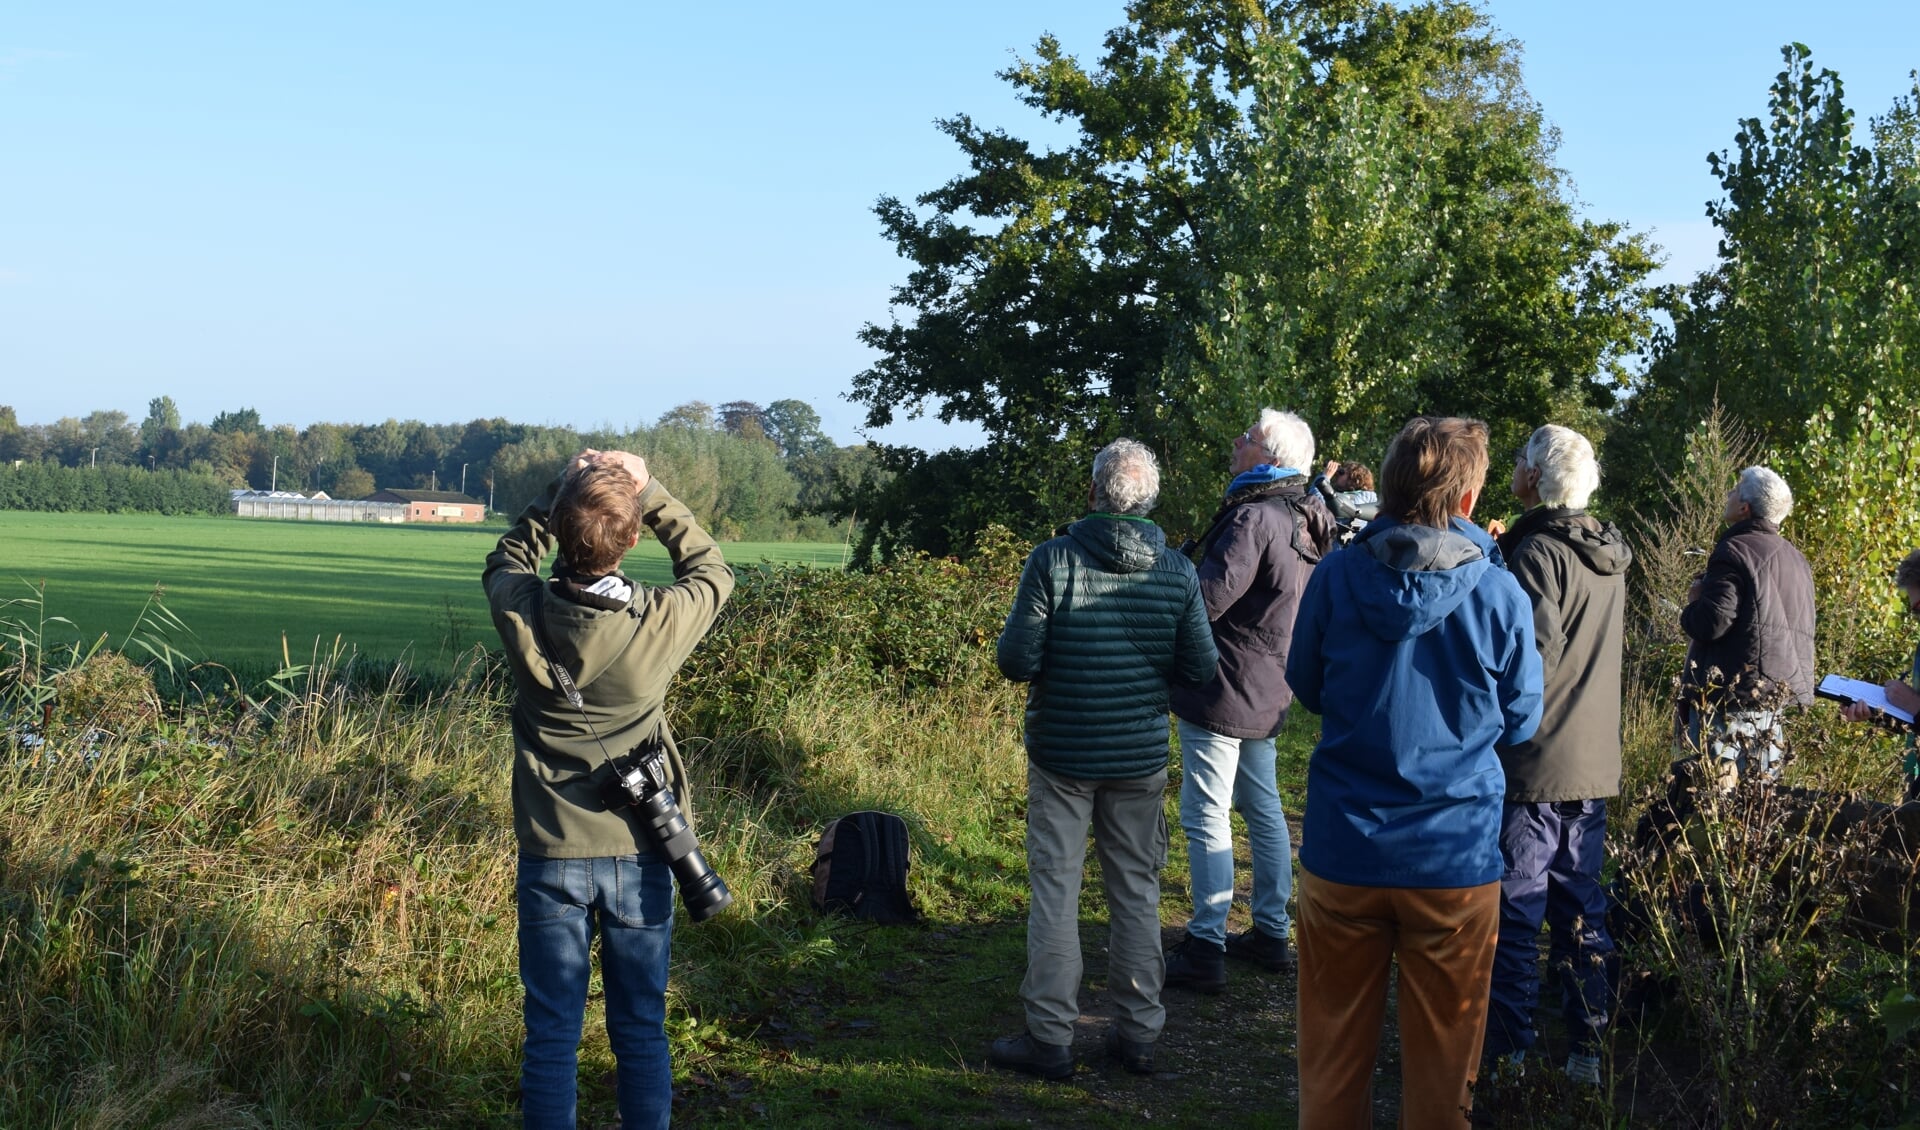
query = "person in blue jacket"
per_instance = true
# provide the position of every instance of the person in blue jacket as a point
(1415, 645)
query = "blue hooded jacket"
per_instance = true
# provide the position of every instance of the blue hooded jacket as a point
(1415, 646)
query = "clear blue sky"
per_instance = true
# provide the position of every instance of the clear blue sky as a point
(588, 213)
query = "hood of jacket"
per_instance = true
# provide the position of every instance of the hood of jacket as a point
(1120, 545)
(586, 632)
(1599, 545)
(1415, 576)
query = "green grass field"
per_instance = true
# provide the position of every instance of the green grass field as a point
(239, 584)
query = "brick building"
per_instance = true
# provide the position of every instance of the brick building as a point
(433, 505)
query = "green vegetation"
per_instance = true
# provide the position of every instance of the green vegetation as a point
(298, 912)
(294, 907)
(746, 471)
(286, 900)
(388, 592)
(1350, 210)
(110, 490)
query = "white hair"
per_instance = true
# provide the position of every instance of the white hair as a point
(1286, 439)
(1766, 492)
(1126, 478)
(1569, 474)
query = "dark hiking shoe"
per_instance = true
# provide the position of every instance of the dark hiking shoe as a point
(1198, 965)
(1130, 1054)
(1024, 1053)
(1263, 949)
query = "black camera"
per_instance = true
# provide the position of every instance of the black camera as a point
(643, 780)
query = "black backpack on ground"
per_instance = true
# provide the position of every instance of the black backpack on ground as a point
(860, 868)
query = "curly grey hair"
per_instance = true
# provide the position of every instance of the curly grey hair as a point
(1126, 478)
(1766, 492)
(1285, 439)
(1569, 473)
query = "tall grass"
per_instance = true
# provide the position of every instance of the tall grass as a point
(290, 903)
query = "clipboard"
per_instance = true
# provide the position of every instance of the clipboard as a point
(1839, 688)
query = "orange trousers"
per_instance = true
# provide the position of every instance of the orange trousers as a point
(1349, 939)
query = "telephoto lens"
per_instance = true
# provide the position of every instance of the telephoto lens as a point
(702, 890)
(646, 784)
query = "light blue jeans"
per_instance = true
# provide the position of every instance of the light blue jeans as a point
(1219, 773)
(562, 903)
(1751, 742)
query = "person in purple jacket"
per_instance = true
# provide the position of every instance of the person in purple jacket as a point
(1254, 561)
(1416, 648)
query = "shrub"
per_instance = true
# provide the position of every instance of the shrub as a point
(1855, 516)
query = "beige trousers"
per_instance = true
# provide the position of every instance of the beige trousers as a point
(1129, 825)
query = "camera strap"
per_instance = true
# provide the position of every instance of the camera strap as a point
(560, 676)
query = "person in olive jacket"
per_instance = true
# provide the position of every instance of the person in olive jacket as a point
(1750, 618)
(1553, 830)
(586, 868)
(1254, 561)
(1105, 618)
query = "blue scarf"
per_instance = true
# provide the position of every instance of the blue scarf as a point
(1260, 476)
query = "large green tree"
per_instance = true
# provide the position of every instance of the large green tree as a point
(1346, 208)
(158, 430)
(1812, 304)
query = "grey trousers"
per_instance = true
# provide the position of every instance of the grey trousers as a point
(1130, 834)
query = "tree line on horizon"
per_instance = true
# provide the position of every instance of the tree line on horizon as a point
(748, 471)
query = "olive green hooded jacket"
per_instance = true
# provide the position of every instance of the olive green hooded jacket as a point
(620, 655)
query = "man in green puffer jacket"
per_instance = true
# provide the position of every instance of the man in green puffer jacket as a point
(1105, 618)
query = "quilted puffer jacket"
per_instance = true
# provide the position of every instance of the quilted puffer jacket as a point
(1752, 626)
(1104, 619)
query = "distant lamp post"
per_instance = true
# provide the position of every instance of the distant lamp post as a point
(489, 489)
(150, 467)
(463, 478)
(94, 461)
(274, 483)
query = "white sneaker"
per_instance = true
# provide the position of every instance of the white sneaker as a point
(1584, 1069)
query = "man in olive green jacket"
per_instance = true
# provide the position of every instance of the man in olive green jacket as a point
(587, 868)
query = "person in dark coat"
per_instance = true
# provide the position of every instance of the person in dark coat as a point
(1255, 559)
(1105, 618)
(1415, 646)
(1554, 823)
(1750, 618)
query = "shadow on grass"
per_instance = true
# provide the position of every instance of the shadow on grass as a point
(889, 1026)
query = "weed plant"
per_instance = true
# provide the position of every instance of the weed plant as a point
(289, 902)
(1764, 931)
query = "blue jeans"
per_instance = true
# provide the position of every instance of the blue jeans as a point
(1218, 773)
(1552, 852)
(562, 903)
